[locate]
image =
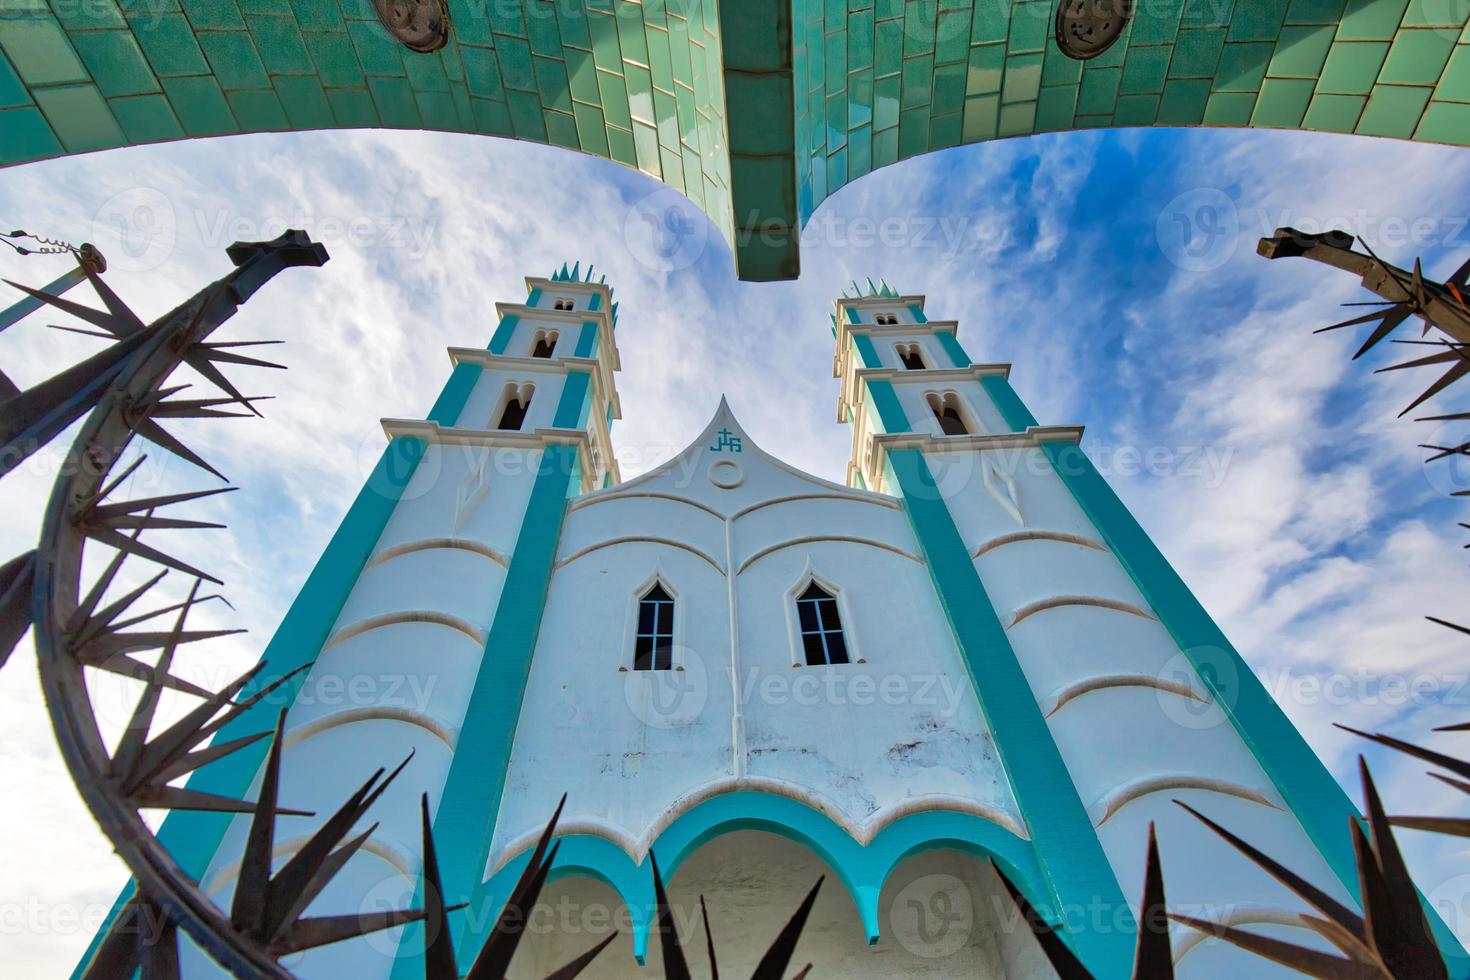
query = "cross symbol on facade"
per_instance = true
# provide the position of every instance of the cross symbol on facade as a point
(727, 440)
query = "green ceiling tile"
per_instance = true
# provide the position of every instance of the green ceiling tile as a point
(257, 111)
(1454, 84)
(515, 64)
(1434, 13)
(986, 69)
(606, 50)
(200, 105)
(1352, 67)
(1136, 110)
(640, 93)
(437, 110)
(621, 147)
(395, 103)
(1334, 113)
(335, 59)
(693, 178)
(1242, 66)
(40, 52)
(527, 118)
(1393, 110)
(1445, 122)
(1055, 108)
(991, 22)
(645, 141)
(667, 111)
(1257, 20)
(304, 101)
(505, 18)
(918, 80)
(631, 36)
(949, 88)
(90, 15)
(1184, 102)
(582, 72)
(463, 111)
(234, 59)
(982, 116)
(213, 15)
(1314, 11)
(885, 145)
(492, 116)
(834, 64)
(1145, 68)
(482, 73)
(1023, 78)
(591, 129)
(614, 100)
(352, 107)
(659, 63)
(377, 53)
(80, 117)
(279, 8)
(1208, 13)
(859, 153)
(1099, 90)
(1031, 26)
(1301, 52)
(426, 73)
(116, 62)
(571, 21)
(146, 118)
(280, 45)
(25, 135)
(1417, 57)
(860, 99)
(12, 89)
(918, 32)
(860, 40)
(1229, 109)
(1371, 20)
(887, 47)
(952, 36)
(171, 46)
(320, 15)
(1017, 119)
(1197, 53)
(1092, 122)
(1058, 69)
(1154, 24)
(541, 28)
(835, 114)
(1283, 102)
(885, 103)
(943, 131)
(913, 132)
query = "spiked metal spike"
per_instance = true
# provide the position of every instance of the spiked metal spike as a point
(439, 961)
(116, 326)
(1457, 766)
(495, 955)
(1399, 930)
(1308, 961)
(675, 965)
(15, 601)
(709, 940)
(252, 886)
(1062, 959)
(1153, 959)
(576, 966)
(773, 965)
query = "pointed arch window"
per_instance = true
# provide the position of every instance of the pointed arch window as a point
(545, 343)
(653, 647)
(563, 303)
(886, 320)
(946, 408)
(517, 402)
(821, 627)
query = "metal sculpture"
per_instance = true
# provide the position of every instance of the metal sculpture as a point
(1087, 28)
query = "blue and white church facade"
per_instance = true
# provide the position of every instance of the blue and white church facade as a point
(970, 652)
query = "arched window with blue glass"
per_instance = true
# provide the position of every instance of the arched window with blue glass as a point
(821, 627)
(653, 646)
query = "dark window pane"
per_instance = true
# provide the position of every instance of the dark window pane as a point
(830, 621)
(951, 423)
(807, 613)
(836, 649)
(514, 414)
(643, 653)
(658, 593)
(663, 654)
(646, 616)
(812, 643)
(815, 591)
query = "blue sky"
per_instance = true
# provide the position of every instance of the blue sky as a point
(1269, 468)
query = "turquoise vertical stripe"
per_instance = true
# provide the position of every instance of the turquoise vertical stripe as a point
(1071, 857)
(571, 411)
(464, 822)
(918, 313)
(852, 315)
(191, 837)
(952, 347)
(595, 303)
(885, 399)
(507, 326)
(1308, 788)
(587, 341)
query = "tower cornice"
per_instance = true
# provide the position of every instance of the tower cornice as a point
(571, 286)
(445, 435)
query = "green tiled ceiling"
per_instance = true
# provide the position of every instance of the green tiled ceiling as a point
(757, 110)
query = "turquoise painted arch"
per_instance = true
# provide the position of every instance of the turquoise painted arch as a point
(757, 110)
(861, 869)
